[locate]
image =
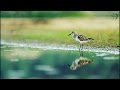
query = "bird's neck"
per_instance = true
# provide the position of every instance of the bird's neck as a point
(74, 35)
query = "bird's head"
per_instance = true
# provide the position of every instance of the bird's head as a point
(71, 33)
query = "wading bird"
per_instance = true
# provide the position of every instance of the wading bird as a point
(80, 38)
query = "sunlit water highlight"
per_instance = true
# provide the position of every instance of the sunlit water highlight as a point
(58, 47)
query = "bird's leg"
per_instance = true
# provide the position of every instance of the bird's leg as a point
(82, 49)
(79, 49)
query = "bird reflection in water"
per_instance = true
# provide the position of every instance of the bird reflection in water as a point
(80, 62)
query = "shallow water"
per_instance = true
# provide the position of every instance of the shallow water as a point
(46, 46)
(42, 63)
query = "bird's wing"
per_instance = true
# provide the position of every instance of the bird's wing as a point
(82, 37)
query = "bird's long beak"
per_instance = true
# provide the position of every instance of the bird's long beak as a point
(69, 34)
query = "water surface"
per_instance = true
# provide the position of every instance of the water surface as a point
(37, 63)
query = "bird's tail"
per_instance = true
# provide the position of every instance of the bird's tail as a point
(90, 39)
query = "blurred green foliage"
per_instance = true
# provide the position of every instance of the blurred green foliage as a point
(53, 14)
(48, 14)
